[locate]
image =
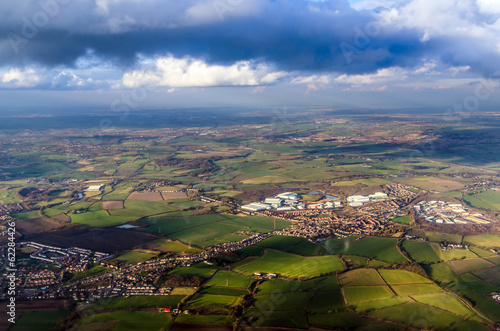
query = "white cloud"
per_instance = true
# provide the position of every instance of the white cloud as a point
(189, 72)
(314, 79)
(21, 78)
(381, 77)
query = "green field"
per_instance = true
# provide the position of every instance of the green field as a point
(193, 271)
(383, 249)
(99, 219)
(126, 320)
(294, 245)
(491, 275)
(445, 301)
(350, 321)
(359, 277)
(489, 200)
(403, 220)
(281, 319)
(291, 265)
(457, 254)
(27, 215)
(411, 289)
(294, 301)
(204, 319)
(229, 279)
(178, 247)
(323, 284)
(281, 243)
(395, 277)
(326, 302)
(231, 291)
(381, 303)
(207, 300)
(422, 252)
(207, 230)
(356, 294)
(39, 320)
(482, 252)
(418, 315)
(487, 241)
(444, 237)
(135, 302)
(495, 259)
(134, 256)
(468, 265)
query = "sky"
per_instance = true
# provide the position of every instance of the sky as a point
(156, 54)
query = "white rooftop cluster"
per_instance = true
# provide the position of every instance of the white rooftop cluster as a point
(359, 200)
(442, 212)
(283, 201)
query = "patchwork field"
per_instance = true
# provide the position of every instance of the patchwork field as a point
(146, 196)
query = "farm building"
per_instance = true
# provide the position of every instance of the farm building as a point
(95, 188)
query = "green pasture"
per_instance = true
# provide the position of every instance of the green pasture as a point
(422, 252)
(125, 320)
(359, 277)
(229, 279)
(39, 320)
(356, 294)
(291, 265)
(383, 249)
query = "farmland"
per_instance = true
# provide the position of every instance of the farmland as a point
(356, 294)
(180, 190)
(486, 241)
(422, 251)
(360, 277)
(383, 249)
(468, 265)
(209, 229)
(127, 320)
(291, 265)
(39, 320)
(214, 300)
(229, 279)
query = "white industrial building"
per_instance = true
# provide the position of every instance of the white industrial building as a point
(256, 206)
(358, 198)
(273, 201)
(288, 196)
(378, 195)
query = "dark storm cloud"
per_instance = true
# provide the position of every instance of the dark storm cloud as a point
(293, 35)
